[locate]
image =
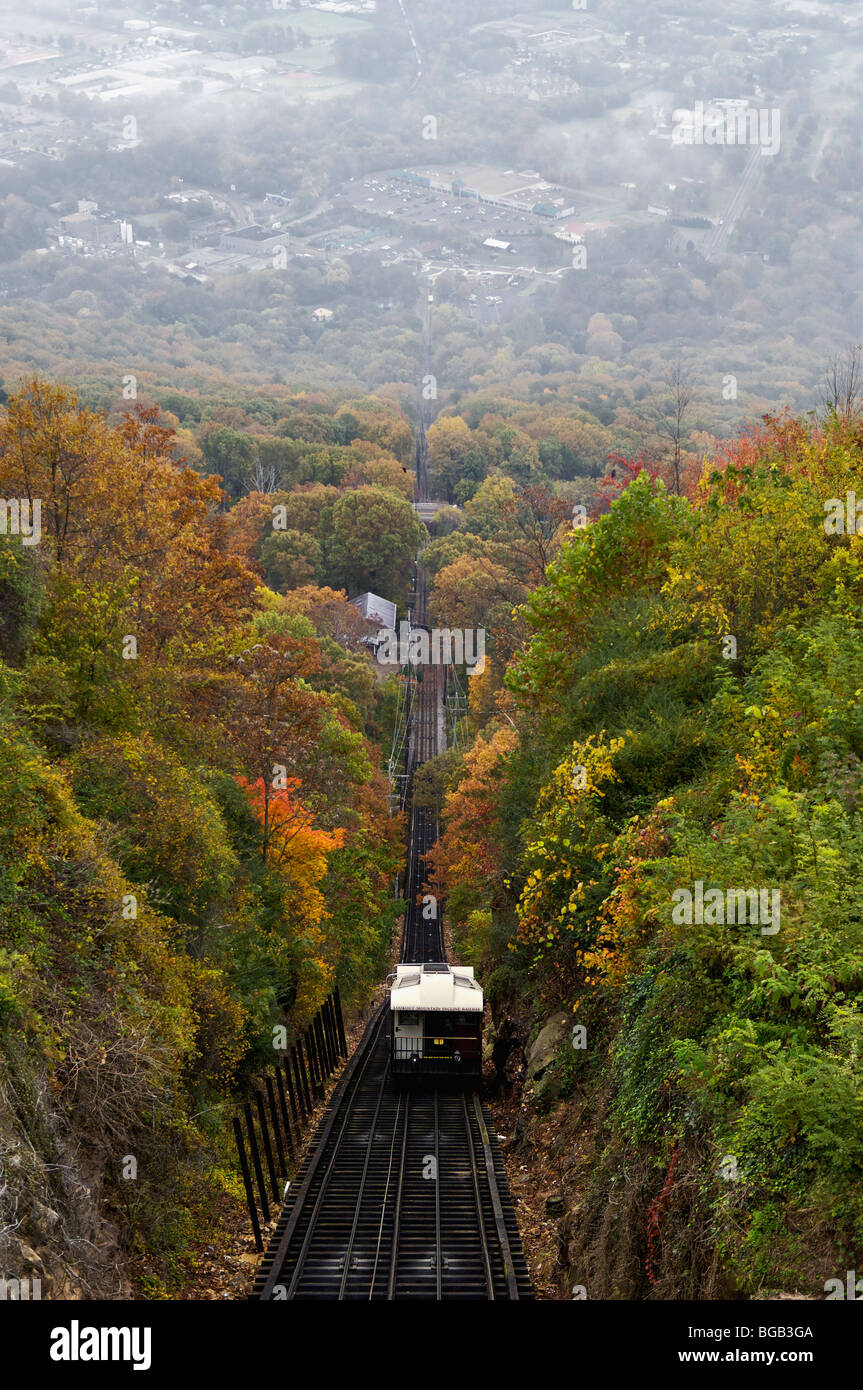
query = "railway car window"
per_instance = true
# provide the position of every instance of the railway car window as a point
(407, 1018)
(453, 1024)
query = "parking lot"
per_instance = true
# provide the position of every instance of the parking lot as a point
(441, 214)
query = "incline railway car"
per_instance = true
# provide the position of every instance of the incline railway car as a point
(436, 1021)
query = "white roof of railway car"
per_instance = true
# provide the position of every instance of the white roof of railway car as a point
(441, 990)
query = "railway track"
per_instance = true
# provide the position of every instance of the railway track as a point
(404, 1197)
(403, 1194)
(422, 938)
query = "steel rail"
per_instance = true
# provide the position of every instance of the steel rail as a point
(438, 1247)
(497, 1205)
(480, 1214)
(349, 1250)
(386, 1193)
(394, 1258)
(330, 1168)
(347, 1090)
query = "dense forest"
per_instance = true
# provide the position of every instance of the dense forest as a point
(680, 715)
(198, 840)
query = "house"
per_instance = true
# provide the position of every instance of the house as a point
(321, 315)
(376, 609)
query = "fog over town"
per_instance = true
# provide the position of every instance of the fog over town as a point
(272, 186)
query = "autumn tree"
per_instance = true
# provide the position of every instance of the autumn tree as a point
(376, 534)
(456, 463)
(119, 514)
(468, 859)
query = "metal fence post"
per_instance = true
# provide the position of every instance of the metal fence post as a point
(340, 1022)
(256, 1159)
(265, 1135)
(247, 1184)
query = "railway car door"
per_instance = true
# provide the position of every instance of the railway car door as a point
(407, 1036)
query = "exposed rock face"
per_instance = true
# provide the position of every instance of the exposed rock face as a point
(506, 1049)
(543, 1049)
(54, 1234)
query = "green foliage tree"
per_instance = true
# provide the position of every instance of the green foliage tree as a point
(376, 534)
